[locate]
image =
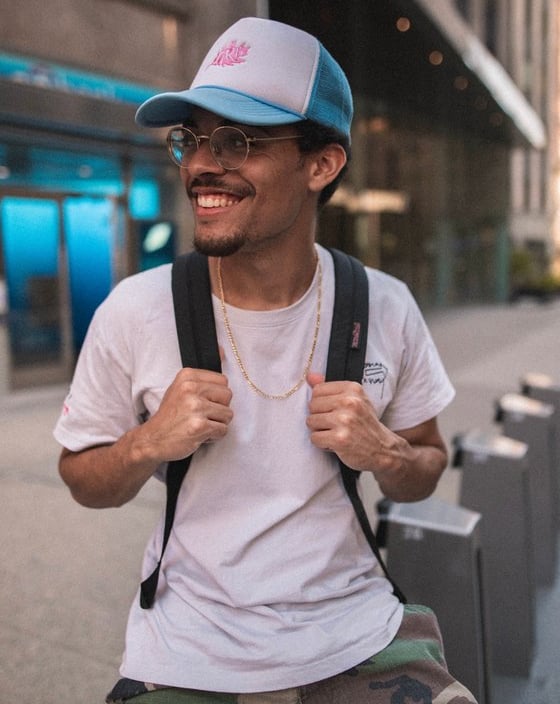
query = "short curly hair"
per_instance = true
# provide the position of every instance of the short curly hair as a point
(314, 137)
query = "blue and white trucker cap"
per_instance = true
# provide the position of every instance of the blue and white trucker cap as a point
(261, 72)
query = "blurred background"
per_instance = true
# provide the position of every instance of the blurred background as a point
(454, 188)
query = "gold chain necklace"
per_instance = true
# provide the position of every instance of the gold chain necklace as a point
(256, 389)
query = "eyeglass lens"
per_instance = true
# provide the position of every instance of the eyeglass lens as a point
(229, 146)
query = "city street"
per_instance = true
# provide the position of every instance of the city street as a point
(69, 573)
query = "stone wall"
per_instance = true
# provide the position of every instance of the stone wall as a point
(151, 43)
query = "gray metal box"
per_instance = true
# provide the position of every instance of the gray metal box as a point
(434, 555)
(531, 422)
(495, 483)
(543, 388)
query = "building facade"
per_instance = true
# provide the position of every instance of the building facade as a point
(444, 134)
(447, 150)
(86, 197)
(523, 36)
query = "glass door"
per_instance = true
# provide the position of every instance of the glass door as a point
(31, 243)
(89, 233)
(57, 253)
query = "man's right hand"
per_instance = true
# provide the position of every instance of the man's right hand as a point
(195, 409)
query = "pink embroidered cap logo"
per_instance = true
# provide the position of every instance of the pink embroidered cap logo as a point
(231, 54)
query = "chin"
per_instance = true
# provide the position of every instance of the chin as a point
(223, 247)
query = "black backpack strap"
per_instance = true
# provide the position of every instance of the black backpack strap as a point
(347, 349)
(196, 332)
(194, 315)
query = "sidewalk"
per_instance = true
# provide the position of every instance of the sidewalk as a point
(69, 573)
(487, 351)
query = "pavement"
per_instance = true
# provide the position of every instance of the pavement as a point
(70, 573)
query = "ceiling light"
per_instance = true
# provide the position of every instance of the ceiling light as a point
(403, 24)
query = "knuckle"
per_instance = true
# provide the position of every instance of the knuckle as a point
(197, 425)
(352, 403)
(187, 387)
(345, 419)
(343, 436)
(193, 404)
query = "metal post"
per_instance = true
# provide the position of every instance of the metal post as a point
(495, 483)
(434, 555)
(530, 421)
(543, 388)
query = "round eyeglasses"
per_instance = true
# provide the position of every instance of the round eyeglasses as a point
(229, 146)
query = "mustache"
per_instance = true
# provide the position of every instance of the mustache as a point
(219, 184)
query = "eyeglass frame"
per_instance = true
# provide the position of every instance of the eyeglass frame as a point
(249, 141)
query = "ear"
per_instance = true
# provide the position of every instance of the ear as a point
(325, 165)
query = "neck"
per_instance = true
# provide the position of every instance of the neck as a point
(264, 281)
(245, 373)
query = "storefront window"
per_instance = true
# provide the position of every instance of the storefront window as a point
(71, 225)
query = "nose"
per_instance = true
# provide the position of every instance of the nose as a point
(202, 161)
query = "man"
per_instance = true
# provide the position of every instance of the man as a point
(268, 590)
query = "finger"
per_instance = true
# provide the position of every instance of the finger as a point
(199, 382)
(211, 422)
(314, 378)
(328, 396)
(331, 388)
(215, 431)
(220, 412)
(322, 420)
(321, 439)
(193, 374)
(216, 393)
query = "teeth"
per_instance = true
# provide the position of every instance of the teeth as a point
(217, 201)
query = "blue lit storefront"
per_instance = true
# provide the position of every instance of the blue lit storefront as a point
(85, 199)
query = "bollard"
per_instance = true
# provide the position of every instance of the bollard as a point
(542, 388)
(434, 555)
(495, 483)
(531, 421)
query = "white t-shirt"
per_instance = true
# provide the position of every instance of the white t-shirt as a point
(267, 580)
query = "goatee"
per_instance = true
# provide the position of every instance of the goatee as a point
(218, 247)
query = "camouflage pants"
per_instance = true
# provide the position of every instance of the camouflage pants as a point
(411, 669)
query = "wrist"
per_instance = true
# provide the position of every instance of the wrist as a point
(391, 456)
(141, 448)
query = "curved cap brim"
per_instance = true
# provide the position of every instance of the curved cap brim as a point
(168, 109)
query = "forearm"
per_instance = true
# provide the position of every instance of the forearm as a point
(408, 471)
(108, 475)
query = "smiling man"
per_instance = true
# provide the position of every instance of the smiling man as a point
(268, 589)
